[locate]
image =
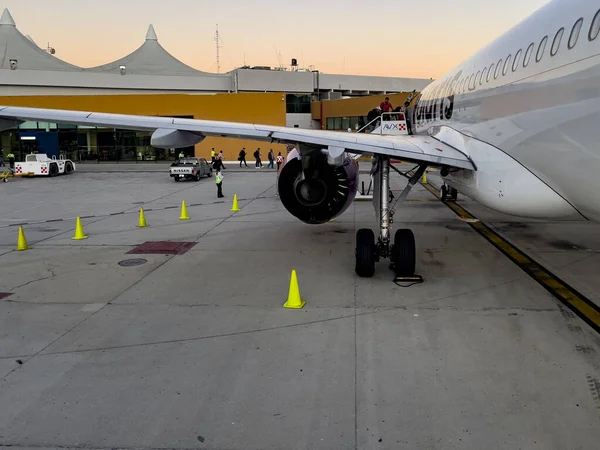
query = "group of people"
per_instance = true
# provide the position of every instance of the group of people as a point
(386, 107)
(257, 157)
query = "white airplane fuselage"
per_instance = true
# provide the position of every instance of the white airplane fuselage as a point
(532, 126)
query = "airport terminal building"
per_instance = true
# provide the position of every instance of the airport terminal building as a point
(150, 81)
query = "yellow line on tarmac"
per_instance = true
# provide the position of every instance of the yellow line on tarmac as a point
(577, 302)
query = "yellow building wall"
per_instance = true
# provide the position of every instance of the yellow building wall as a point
(259, 108)
(352, 107)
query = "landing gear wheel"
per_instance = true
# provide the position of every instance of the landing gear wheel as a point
(404, 253)
(444, 193)
(365, 253)
(453, 194)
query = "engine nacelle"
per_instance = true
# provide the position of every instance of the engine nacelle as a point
(320, 193)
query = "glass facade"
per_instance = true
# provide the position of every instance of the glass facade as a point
(343, 123)
(82, 143)
(298, 104)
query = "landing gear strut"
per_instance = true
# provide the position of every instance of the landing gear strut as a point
(402, 253)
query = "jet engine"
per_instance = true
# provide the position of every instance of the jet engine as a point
(314, 190)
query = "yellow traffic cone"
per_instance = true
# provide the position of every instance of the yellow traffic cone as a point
(294, 301)
(235, 206)
(424, 177)
(142, 222)
(79, 235)
(184, 214)
(21, 241)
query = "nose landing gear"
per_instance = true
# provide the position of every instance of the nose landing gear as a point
(402, 253)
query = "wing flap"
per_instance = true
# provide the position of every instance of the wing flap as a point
(410, 148)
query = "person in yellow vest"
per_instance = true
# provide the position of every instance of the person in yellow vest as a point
(11, 161)
(219, 181)
(181, 155)
(212, 155)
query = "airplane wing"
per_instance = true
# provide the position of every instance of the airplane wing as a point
(173, 132)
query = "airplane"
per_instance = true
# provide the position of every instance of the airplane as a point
(515, 127)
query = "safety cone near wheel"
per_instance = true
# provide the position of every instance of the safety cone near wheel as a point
(424, 177)
(184, 214)
(142, 222)
(294, 300)
(21, 241)
(79, 234)
(235, 206)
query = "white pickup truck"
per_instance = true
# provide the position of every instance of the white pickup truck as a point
(190, 167)
(40, 164)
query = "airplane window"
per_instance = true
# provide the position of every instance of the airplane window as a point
(575, 33)
(517, 60)
(556, 42)
(483, 75)
(490, 72)
(595, 27)
(506, 64)
(528, 53)
(541, 49)
(497, 72)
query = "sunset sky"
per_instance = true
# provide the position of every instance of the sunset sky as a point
(403, 38)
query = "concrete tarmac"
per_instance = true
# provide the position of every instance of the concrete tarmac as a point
(196, 351)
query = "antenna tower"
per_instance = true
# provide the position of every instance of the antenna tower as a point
(218, 46)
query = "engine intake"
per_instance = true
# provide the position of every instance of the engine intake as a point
(319, 194)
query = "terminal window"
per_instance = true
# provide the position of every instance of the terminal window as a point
(298, 104)
(343, 123)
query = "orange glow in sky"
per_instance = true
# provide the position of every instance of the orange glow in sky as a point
(399, 38)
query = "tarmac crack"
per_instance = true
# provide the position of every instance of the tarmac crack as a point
(34, 281)
(193, 339)
(353, 316)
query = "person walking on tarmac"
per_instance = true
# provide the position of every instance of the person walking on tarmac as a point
(219, 181)
(218, 164)
(11, 162)
(181, 155)
(279, 161)
(212, 155)
(257, 157)
(271, 159)
(242, 157)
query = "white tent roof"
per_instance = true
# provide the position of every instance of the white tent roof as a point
(13, 45)
(150, 59)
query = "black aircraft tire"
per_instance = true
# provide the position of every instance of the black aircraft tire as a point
(444, 193)
(365, 253)
(404, 253)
